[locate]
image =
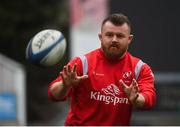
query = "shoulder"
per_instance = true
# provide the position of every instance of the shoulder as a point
(74, 60)
(138, 61)
(92, 56)
(132, 58)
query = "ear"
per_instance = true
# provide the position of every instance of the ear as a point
(100, 36)
(131, 38)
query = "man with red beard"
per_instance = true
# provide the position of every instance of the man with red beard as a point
(105, 84)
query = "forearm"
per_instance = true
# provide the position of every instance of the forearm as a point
(59, 90)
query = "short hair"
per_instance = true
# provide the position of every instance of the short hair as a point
(118, 19)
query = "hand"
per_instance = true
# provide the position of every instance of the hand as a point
(131, 91)
(69, 76)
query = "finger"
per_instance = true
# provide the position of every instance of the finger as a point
(136, 96)
(69, 68)
(124, 86)
(82, 77)
(135, 84)
(134, 80)
(61, 74)
(65, 70)
(135, 88)
(75, 67)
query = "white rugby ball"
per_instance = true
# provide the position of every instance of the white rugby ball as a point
(46, 48)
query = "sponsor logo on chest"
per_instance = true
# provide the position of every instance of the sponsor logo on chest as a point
(110, 94)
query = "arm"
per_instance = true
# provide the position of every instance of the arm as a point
(59, 91)
(141, 93)
(68, 78)
(146, 86)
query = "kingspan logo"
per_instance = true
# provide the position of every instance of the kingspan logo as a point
(110, 95)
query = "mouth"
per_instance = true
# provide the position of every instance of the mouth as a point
(113, 46)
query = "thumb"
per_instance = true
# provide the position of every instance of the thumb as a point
(124, 86)
(82, 77)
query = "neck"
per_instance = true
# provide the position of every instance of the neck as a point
(113, 58)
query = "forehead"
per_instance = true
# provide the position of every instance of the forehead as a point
(110, 27)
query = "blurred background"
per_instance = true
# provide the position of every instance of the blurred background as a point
(23, 86)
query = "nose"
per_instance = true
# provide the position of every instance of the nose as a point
(114, 39)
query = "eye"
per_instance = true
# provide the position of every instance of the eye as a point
(120, 36)
(109, 34)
